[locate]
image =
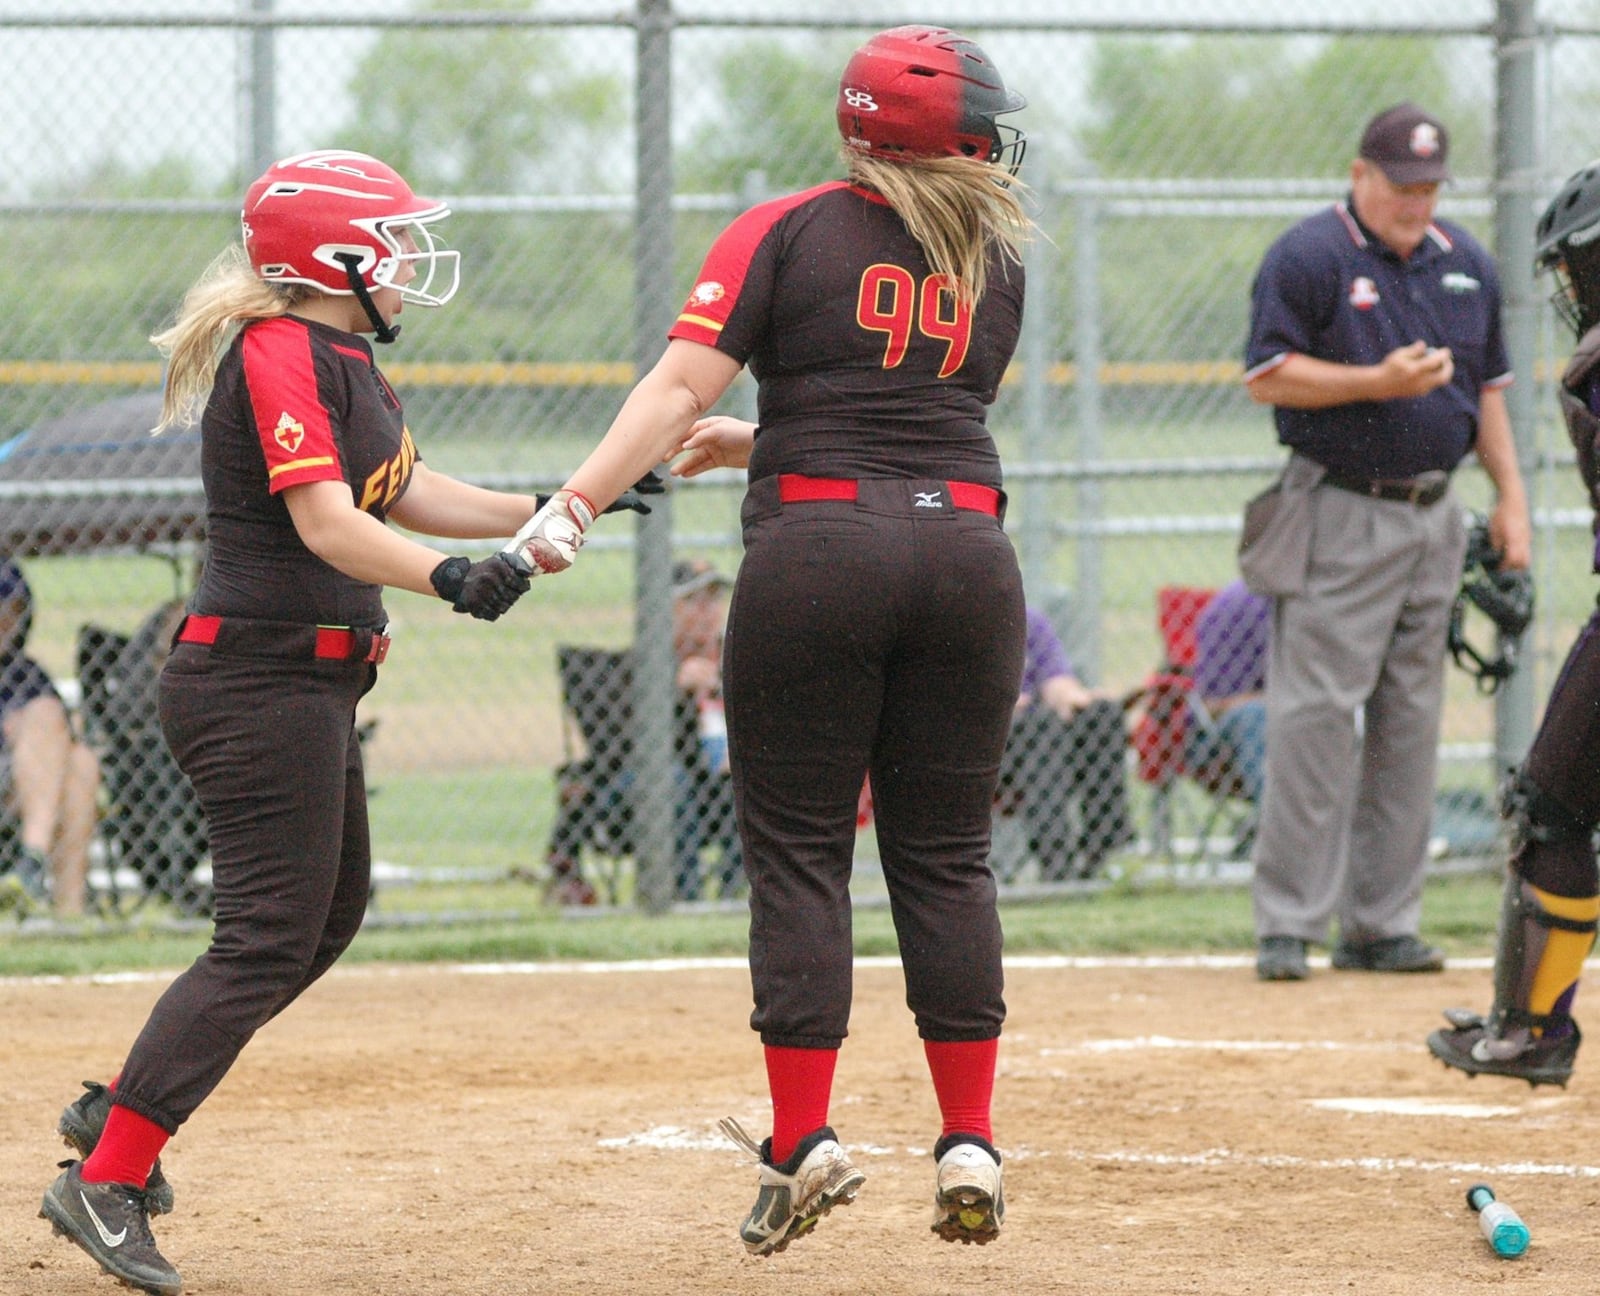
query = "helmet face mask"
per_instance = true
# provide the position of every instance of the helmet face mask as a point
(334, 217)
(927, 92)
(1568, 248)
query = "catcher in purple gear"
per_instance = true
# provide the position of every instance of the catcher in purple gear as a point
(1552, 894)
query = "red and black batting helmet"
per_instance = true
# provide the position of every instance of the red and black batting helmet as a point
(927, 92)
(335, 217)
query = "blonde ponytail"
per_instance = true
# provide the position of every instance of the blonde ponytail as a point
(955, 207)
(228, 294)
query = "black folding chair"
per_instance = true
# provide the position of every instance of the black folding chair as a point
(592, 836)
(152, 826)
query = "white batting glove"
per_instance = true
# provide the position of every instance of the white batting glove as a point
(549, 540)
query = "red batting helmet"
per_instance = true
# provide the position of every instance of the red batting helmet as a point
(329, 217)
(925, 91)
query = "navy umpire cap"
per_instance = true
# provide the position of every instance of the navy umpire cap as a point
(1409, 145)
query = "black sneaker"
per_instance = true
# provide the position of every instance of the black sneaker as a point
(1387, 954)
(1470, 1045)
(84, 1121)
(1281, 958)
(111, 1222)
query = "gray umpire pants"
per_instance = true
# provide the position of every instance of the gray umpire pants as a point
(1355, 688)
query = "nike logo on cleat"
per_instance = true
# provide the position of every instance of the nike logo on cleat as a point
(106, 1235)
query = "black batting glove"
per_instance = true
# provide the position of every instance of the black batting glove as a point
(630, 500)
(485, 590)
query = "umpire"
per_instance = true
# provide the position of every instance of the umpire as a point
(1375, 333)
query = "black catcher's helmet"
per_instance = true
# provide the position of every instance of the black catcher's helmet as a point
(1568, 246)
(1505, 597)
(927, 92)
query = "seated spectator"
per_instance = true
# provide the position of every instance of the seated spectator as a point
(702, 792)
(1230, 680)
(49, 781)
(1064, 765)
(703, 805)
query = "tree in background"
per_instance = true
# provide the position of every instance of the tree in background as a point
(493, 110)
(1262, 106)
(1232, 109)
(768, 108)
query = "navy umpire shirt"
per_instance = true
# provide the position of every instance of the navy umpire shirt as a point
(1330, 289)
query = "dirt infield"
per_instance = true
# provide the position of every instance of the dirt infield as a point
(1170, 1126)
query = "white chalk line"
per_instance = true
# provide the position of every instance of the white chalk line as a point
(1158, 1043)
(1045, 962)
(675, 1138)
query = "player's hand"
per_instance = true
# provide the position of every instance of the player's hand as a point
(1511, 535)
(551, 538)
(715, 442)
(1416, 369)
(485, 590)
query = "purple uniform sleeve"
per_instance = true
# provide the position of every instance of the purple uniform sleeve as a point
(1046, 655)
(1231, 643)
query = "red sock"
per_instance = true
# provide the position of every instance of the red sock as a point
(126, 1151)
(801, 1082)
(963, 1082)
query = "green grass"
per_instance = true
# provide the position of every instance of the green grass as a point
(1459, 913)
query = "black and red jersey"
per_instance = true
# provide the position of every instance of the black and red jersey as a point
(294, 401)
(866, 365)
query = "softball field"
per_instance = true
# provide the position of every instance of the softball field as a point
(1169, 1126)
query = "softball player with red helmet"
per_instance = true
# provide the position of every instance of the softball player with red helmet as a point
(305, 455)
(877, 621)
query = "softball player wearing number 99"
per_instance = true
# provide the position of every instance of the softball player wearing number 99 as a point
(305, 454)
(877, 622)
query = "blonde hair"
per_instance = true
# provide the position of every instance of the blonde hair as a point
(227, 295)
(957, 208)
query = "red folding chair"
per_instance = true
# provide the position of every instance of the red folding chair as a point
(1170, 708)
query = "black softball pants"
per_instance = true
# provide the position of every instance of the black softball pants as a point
(270, 747)
(885, 635)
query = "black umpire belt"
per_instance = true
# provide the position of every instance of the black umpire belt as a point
(247, 637)
(1423, 490)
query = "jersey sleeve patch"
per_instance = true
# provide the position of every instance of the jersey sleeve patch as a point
(291, 420)
(722, 274)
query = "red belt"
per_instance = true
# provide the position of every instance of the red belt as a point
(793, 487)
(335, 642)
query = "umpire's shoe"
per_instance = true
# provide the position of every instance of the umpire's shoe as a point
(1387, 954)
(793, 1196)
(111, 1222)
(968, 1205)
(84, 1121)
(1281, 958)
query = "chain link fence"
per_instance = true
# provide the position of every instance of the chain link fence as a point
(590, 153)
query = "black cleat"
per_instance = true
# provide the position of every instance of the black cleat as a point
(1281, 958)
(111, 1222)
(1470, 1045)
(1387, 954)
(84, 1121)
